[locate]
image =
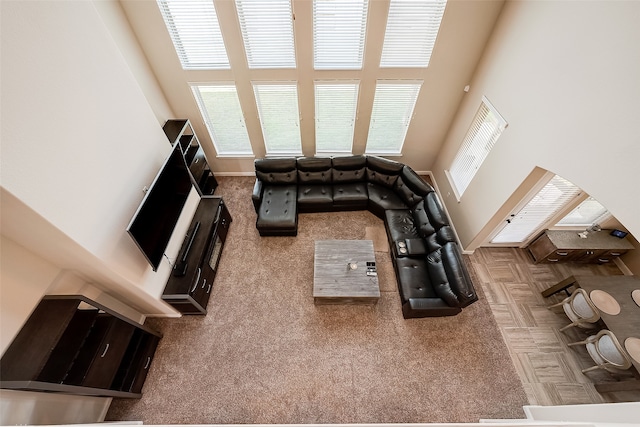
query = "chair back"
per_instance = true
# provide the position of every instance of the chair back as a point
(583, 307)
(609, 348)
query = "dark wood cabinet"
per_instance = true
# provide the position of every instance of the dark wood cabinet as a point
(567, 246)
(179, 131)
(189, 286)
(71, 344)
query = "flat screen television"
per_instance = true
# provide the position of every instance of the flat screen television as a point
(153, 223)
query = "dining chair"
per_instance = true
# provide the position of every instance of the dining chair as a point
(579, 309)
(605, 349)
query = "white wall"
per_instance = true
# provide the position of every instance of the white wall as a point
(565, 77)
(79, 138)
(79, 142)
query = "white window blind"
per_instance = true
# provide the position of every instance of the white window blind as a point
(412, 29)
(279, 117)
(194, 29)
(393, 106)
(267, 32)
(338, 34)
(588, 213)
(220, 109)
(538, 211)
(486, 128)
(336, 106)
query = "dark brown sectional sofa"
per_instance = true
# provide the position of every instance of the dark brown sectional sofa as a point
(432, 277)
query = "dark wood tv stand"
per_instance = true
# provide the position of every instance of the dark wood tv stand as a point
(191, 281)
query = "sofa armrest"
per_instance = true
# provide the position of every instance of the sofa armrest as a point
(427, 307)
(257, 194)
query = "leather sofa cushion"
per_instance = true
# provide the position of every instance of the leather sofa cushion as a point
(435, 211)
(350, 194)
(458, 275)
(413, 278)
(421, 220)
(399, 224)
(349, 169)
(415, 183)
(315, 195)
(314, 170)
(438, 274)
(410, 187)
(435, 241)
(382, 198)
(382, 171)
(449, 276)
(278, 209)
(276, 171)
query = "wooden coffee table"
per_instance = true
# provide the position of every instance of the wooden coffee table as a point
(345, 272)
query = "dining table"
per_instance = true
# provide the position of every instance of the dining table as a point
(618, 301)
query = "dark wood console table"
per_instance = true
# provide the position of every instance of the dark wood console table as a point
(567, 246)
(191, 281)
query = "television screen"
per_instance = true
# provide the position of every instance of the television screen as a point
(158, 213)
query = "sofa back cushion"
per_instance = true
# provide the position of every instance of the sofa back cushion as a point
(349, 169)
(410, 187)
(276, 170)
(382, 171)
(435, 211)
(314, 170)
(449, 276)
(421, 220)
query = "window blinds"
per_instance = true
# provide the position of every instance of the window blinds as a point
(220, 107)
(540, 209)
(195, 32)
(412, 29)
(338, 34)
(393, 106)
(267, 32)
(588, 213)
(336, 105)
(279, 117)
(486, 128)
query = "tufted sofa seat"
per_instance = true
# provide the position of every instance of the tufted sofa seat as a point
(431, 273)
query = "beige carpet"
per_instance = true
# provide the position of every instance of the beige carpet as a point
(266, 354)
(379, 237)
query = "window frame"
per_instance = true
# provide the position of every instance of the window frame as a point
(271, 17)
(356, 95)
(411, 33)
(209, 124)
(473, 144)
(416, 87)
(202, 14)
(261, 116)
(334, 27)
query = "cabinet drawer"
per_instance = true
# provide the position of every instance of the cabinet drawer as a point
(560, 255)
(136, 362)
(100, 357)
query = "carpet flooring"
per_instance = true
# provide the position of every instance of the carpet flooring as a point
(265, 353)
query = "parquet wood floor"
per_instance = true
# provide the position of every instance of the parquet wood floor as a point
(549, 370)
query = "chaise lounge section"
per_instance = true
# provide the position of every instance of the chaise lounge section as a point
(432, 277)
